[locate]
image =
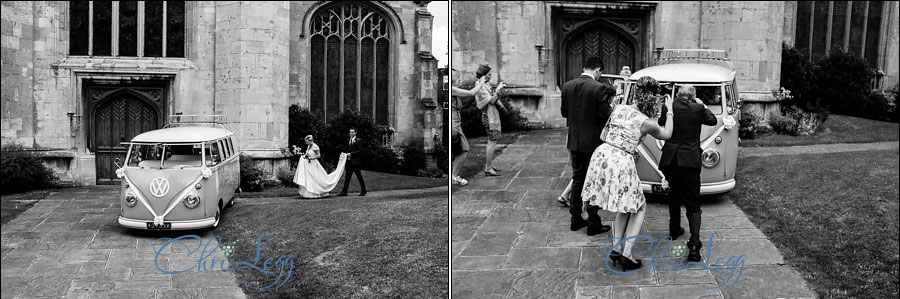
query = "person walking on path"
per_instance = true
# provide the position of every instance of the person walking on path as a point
(680, 163)
(612, 181)
(585, 105)
(487, 99)
(354, 164)
(458, 138)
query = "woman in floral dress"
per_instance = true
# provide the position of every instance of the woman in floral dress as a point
(612, 181)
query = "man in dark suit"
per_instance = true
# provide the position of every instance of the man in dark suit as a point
(680, 162)
(586, 107)
(353, 165)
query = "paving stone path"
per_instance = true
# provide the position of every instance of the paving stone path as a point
(510, 239)
(69, 245)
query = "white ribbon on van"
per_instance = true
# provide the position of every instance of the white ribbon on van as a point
(177, 199)
(643, 150)
(728, 123)
(138, 194)
(159, 219)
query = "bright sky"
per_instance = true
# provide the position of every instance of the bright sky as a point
(440, 34)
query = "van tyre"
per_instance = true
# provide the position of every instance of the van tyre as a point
(218, 215)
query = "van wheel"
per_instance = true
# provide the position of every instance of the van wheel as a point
(218, 215)
(230, 202)
(238, 190)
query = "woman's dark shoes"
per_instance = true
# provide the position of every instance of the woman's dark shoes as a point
(694, 254)
(596, 229)
(616, 257)
(629, 264)
(562, 200)
(676, 234)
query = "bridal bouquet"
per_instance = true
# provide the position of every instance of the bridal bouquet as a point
(296, 151)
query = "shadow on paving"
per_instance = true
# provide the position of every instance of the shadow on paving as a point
(69, 245)
(511, 239)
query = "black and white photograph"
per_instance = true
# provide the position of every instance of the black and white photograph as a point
(450, 149)
(674, 149)
(225, 149)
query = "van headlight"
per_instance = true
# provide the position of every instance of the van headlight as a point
(192, 201)
(710, 158)
(130, 200)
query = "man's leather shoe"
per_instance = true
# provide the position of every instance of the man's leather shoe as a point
(597, 229)
(694, 254)
(362, 193)
(676, 234)
(343, 194)
(577, 223)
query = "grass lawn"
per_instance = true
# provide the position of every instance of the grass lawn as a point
(833, 216)
(14, 204)
(837, 129)
(474, 164)
(375, 181)
(347, 248)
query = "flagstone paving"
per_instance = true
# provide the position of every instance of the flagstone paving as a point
(69, 245)
(510, 239)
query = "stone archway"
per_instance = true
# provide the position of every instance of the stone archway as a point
(618, 32)
(116, 115)
(597, 39)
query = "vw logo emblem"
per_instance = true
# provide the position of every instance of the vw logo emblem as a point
(159, 187)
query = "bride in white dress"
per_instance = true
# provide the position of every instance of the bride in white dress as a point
(314, 182)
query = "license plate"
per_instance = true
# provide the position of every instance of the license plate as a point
(657, 188)
(164, 225)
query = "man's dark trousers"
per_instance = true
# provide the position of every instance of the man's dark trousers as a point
(684, 189)
(349, 170)
(580, 163)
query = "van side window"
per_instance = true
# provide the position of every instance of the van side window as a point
(213, 154)
(225, 152)
(231, 145)
(729, 95)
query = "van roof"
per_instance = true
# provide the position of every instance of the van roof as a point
(686, 72)
(182, 134)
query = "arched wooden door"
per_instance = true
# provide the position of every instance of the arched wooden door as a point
(117, 116)
(609, 41)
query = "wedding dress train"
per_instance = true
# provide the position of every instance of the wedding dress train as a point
(314, 182)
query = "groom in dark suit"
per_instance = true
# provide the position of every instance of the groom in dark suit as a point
(353, 165)
(680, 162)
(586, 107)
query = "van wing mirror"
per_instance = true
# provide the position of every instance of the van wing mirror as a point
(117, 163)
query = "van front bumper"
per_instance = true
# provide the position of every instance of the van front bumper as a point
(705, 188)
(176, 225)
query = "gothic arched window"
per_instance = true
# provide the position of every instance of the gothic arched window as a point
(350, 61)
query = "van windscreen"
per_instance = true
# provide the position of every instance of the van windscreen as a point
(165, 155)
(711, 96)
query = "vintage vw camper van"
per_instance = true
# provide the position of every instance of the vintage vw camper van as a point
(713, 76)
(179, 177)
